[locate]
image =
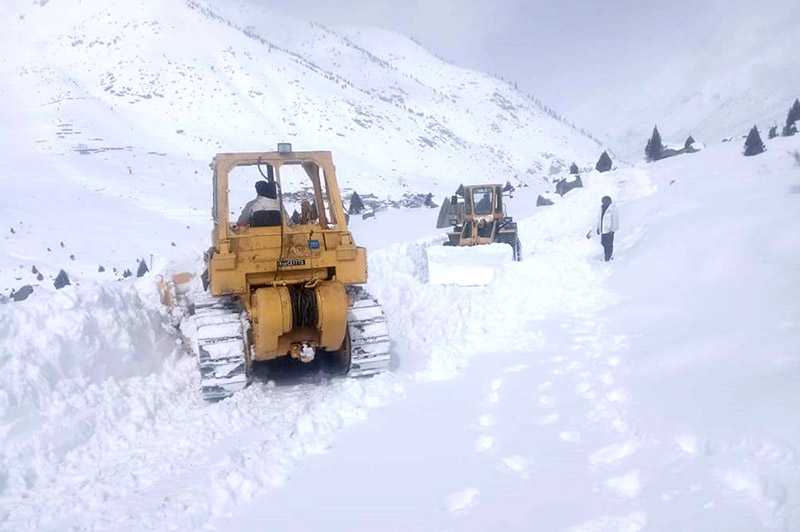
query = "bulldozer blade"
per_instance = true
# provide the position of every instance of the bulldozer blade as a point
(467, 265)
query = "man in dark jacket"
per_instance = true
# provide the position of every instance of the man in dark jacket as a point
(607, 225)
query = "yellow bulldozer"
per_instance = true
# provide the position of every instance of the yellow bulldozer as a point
(278, 286)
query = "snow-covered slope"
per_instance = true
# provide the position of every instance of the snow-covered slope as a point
(194, 76)
(746, 75)
(112, 110)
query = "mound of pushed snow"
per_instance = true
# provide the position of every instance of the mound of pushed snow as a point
(466, 266)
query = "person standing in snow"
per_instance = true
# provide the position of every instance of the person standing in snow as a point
(607, 225)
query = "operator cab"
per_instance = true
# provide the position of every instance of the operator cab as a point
(300, 187)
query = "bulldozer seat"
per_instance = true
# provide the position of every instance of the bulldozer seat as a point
(265, 219)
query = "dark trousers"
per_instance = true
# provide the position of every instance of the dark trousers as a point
(607, 239)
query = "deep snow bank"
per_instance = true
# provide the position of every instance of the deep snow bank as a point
(60, 353)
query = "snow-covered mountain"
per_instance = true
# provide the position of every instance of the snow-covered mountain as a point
(104, 102)
(746, 75)
(195, 76)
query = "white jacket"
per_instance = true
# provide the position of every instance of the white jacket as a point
(261, 203)
(608, 222)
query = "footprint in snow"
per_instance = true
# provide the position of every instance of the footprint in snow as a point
(607, 378)
(688, 443)
(619, 395)
(485, 421)
(484, 443)
(628, 485)
(493, 396)
(584, 389)
(518, 464)
(461, 500)
(547, 400)
(613, 453)
(570, 436)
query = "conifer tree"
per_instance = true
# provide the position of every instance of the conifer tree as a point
(654, 149)
(573, 169)
(773, 132)
(794, 112)
(791, 119)
(753, 145)
(689, 142)
(604, 163)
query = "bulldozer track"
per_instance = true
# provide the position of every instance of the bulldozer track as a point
(370, 346)
(221, 346)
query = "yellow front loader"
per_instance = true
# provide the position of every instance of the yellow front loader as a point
(479, 230)
(279, 286)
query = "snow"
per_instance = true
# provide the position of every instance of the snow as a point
(468, 265)
(749, 74)
(657, 391)
(560, 380)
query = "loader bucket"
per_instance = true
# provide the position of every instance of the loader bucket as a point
(444, 214)
(450, 214)
(467, 265)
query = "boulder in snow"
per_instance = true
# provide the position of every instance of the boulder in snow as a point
(62, 280)
(565, 185)
(143, 269)
(22, 294)
(541, 201)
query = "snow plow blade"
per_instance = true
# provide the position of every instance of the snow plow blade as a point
(467, 265)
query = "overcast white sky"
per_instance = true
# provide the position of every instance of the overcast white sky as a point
(554, 49)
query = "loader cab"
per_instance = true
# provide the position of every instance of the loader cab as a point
(473, 217)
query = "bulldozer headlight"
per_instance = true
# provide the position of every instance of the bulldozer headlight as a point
(284, 147)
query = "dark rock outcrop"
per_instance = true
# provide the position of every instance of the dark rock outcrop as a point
(564, 185)
(62, 280)
(541, 201)
(22, 294)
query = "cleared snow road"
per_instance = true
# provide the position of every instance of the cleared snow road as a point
(533, 400)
